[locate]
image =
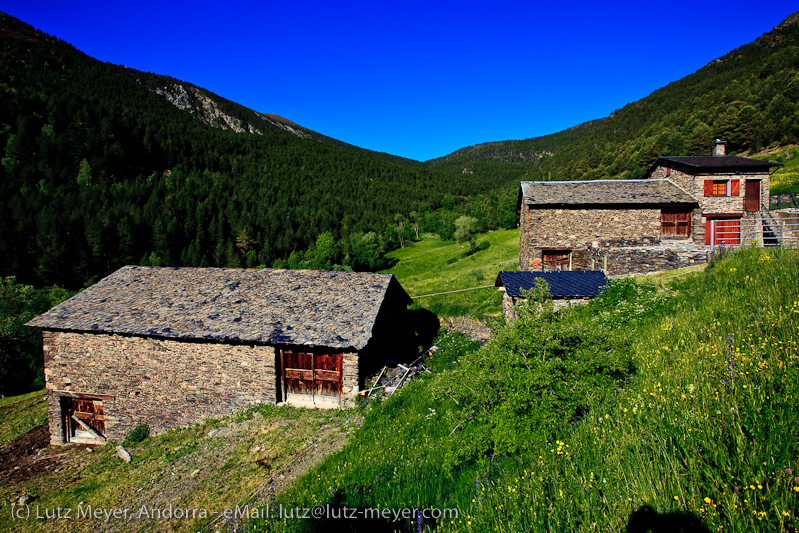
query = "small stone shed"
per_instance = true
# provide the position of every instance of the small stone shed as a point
(171, 346)
(565, 287)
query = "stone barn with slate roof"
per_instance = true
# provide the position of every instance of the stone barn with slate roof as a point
(573, 225)
(564, 286)
(171, 346)
(669, 220)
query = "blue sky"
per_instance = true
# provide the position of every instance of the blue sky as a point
(415, 79)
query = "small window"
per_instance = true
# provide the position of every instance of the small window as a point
(725, 187)
(556, 260)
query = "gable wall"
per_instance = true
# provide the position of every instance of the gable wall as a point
(581, 228)
(165, 383)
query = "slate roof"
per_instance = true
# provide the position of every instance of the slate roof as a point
(303, 307)
(603, 192)
(562, 284)
(715, 164)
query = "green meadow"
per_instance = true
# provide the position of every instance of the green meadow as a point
(434, 266)
(786, 177)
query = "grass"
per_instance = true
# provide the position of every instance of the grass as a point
(786, 177)
(20, 414)
(210, 466)
(703, 430)
(434, 266)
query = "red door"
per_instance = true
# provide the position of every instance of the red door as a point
(723, 231)
(752, 196)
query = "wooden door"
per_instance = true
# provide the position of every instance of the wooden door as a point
(723, 232)
(752, 195)
(675, 224)
(84, 420)
(328, 372)
(312, 376)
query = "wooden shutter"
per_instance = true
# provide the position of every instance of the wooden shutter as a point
(675, 224)
(708, 188)
(735, 188)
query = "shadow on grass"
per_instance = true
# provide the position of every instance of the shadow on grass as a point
(647, 520)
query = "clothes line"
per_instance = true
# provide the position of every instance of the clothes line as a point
(450, 292)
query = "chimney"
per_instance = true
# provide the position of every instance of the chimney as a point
(718, 147)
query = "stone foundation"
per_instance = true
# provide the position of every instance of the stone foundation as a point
(643, 259)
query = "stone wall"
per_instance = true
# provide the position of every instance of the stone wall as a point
(639, 260)
(695, 186)
(582, 228)
(164, 383)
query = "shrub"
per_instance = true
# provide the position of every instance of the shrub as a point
(137, 434)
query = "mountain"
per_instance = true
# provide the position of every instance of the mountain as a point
(225, 114)
(104, 166)
(510, 161)
(747, 97)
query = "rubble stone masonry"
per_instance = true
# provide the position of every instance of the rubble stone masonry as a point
(164, 383)
(713, 205)
(554, 229)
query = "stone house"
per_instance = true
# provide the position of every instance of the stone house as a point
(171, 346)
(730, 190)
(671, 219)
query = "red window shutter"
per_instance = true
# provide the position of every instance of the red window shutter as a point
(707, 231)
(708, 187)
(735, 189)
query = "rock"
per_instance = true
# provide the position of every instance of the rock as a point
(26, 499)
(123, 454)
(89, 450)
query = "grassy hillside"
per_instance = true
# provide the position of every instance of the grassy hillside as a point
(666, 400)
(20, 414)
(434, 266)
(212, 466)
(786, 177)
(653, 404)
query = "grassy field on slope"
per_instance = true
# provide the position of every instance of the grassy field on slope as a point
(699, 431)
(433, 266)
(786, 177)
(207, 468)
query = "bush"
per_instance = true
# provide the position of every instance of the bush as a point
(138, 434)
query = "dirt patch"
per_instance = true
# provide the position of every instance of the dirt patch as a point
(18, 458)
(473, 329)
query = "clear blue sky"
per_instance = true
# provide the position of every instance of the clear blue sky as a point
(416, 79)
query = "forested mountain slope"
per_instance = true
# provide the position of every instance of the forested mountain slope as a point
(747, 97)
(99, 170)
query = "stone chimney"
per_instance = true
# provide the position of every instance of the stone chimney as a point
(718, 147)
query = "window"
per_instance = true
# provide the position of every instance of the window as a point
(556, 260)
(724, 187)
